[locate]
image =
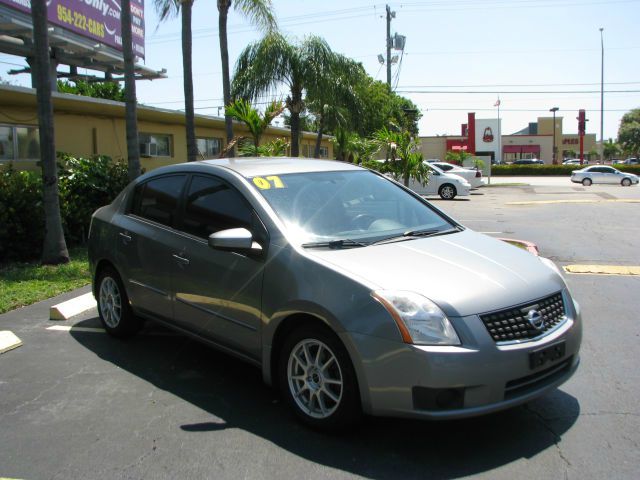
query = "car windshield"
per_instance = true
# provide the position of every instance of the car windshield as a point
(347, 208)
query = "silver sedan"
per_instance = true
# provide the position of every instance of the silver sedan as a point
(603, 174)
(350, 292)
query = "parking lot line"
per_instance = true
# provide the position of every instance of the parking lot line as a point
(71, 328)
(602, 269)
(584, 200)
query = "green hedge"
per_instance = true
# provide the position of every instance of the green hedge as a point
(549, 170)
(85, 185)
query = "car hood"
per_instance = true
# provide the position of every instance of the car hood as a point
(465, 273)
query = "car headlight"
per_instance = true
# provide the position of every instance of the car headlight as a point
(420, 321)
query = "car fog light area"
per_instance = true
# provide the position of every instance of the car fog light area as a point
(420, 321)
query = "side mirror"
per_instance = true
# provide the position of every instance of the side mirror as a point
(235, 239)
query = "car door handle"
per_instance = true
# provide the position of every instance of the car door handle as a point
(126, 238)
(181, 260)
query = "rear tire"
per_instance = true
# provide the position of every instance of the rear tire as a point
(447, 192)
(586, 182)
(317, 380)
(625, 182)
(113, 305)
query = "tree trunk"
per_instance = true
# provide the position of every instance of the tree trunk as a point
(133, 143)
(295, 107)
(187, 67)
(316, 153)
(223, 10)
(54, 249)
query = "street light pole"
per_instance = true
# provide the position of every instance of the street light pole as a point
(602, 97)
(555, 149)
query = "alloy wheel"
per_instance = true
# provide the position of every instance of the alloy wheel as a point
(110, 302)
(315, 378)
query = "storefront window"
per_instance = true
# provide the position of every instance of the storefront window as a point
(28, 143)
(209, 147)
(19, 143)
(6, 143)
(155, 145)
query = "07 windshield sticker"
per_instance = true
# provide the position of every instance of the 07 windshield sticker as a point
(266, 183)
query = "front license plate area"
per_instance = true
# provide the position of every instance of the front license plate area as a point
(546, 355)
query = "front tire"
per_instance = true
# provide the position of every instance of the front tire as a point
(625, 182)
(317, 380)
(586, 182)
(113, 305)
(447, 192)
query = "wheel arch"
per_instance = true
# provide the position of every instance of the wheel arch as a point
(272, 349)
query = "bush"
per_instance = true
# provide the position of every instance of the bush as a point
(85, 185)
(21, 215)
(549, 170)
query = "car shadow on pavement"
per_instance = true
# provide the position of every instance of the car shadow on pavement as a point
(234, 394)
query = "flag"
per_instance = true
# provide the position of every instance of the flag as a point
(497, 104)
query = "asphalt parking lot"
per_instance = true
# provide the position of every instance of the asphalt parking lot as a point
(75, 403)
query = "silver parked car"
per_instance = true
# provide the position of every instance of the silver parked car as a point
(350, 292)
(603, 174)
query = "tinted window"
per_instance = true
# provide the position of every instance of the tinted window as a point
(212, 205)
(158, 199)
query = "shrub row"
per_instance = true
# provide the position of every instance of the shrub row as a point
(549, 170)
(85, 185)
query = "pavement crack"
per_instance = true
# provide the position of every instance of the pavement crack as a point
(556, 437)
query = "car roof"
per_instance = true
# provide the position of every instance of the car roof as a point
(261, 166)
(258, 166)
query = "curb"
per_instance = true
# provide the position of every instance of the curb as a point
(8, 341)
(72, 307)
(530, 247)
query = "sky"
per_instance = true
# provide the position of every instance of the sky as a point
(460, 56)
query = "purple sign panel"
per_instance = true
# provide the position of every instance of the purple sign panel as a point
(97, 20)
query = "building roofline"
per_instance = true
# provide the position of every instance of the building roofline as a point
(11, 95)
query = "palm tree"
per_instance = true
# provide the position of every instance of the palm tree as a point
(611, 149)
(345, 144)
(334, 100)
(54, 249)
(401, 147)
(167, 8)
(267, 64)
(256, 123)
(133, 143)
(259, 13)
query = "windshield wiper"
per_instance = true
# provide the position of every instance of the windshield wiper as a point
(430, 233)
(336, 244)
(411, 234)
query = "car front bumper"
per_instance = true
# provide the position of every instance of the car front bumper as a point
(437, 382)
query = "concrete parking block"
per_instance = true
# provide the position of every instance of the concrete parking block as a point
(8, 341)
(73, 307)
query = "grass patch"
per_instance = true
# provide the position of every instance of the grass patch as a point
(26, 283)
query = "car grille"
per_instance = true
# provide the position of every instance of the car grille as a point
(512, 324)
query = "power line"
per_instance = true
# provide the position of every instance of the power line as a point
(495, 85)
(518, 92)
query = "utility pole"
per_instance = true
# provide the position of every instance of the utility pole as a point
(601, 97)
(390, 14)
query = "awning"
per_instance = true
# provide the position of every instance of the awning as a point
(521, 149)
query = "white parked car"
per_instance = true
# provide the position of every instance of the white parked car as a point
(447, 185)
(603, 174)
(471, 175)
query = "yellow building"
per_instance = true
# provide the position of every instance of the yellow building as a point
(87, 126)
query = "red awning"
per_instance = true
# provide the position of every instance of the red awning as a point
(521, 149)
